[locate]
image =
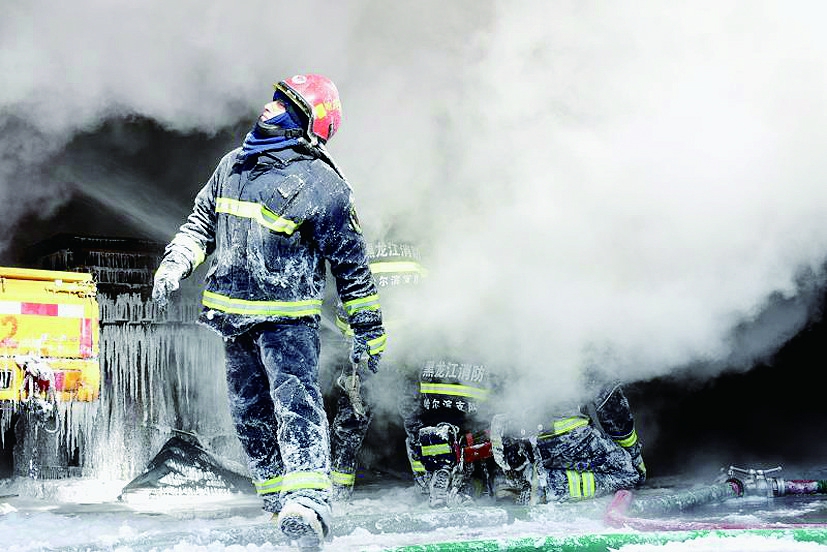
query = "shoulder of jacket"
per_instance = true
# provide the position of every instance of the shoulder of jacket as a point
(323, 168)
(229, 159)
(328, 177)
(231, 155)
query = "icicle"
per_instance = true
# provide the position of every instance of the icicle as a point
(158, 378)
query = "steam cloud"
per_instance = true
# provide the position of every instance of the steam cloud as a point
(619, 184)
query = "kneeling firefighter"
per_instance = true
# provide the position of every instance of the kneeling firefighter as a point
(590, 452)
(446, 415)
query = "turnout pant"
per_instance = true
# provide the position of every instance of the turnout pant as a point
(277, 409)
(585, 463)
(347, 434)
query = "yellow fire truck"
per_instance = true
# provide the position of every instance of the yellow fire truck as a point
(49, 338)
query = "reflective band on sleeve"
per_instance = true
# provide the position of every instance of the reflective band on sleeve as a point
(560, 427)
(588, 485)
(257, 212)
(343, 326)
(295, 309)
(197, 254)
(340, 478)
(397, 267)
(454, 389)
(436, 450)
(581, 485)
(270, 486)
(628, 440)
(376, 346)
(371, 302)
(298, 480)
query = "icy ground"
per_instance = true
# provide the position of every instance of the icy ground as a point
(85, 514)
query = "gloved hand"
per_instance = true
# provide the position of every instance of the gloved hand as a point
(510, 453)
(422, 481)
(517, 453)
(168, 278)
(360, 350)
(637, 461)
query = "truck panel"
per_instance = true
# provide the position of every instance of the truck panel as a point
(74, 380)
(51, 316)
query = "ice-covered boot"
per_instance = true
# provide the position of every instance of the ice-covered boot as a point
(301, 525)
(506, 488)
(423, 483)
(341, 493)
(438, 488)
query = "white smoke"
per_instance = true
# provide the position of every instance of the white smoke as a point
(635, 180)
(613, 183)
(624, 184)
(67, 68)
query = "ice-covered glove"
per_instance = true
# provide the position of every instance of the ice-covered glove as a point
(635, 450)
(637, 461)
(511, 454)
(168, 278)
(366, 349)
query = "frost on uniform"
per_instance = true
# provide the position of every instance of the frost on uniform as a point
(275, 214)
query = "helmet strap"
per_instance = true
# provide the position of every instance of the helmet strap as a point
(275, 130)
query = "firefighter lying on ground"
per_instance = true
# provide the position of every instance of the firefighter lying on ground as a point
(456, 455)
(397, 270)
(592, 452)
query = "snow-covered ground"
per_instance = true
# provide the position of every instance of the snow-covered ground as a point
(86, 514)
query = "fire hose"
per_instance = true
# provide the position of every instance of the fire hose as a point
(638, 513)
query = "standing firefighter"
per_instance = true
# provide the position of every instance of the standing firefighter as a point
(274, 214)
(398, 270)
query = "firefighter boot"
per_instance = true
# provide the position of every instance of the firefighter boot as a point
(341, 492)
(439, 488)
(301, 525)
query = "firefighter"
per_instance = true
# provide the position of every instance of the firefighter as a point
(591, 451)
(275, 213)
(446, 417)
(397, 270)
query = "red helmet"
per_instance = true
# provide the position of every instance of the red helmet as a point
(318, 99)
